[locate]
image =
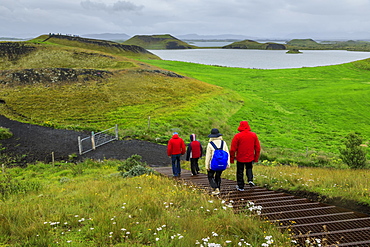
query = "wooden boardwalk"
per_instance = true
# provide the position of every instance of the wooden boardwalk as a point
(307, 219)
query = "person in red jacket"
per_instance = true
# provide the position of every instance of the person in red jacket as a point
(176, 148)
(193, 153)
(245, 148)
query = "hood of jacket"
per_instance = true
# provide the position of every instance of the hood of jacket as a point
(192, 137)
(244, 126)
(175, 136)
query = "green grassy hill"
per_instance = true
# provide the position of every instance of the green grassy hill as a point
(303, 42)
(75, 83)
(305, 111)
(251, 44)
(154, 42)
(111, 47)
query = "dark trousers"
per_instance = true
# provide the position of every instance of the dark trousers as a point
(240, 166)
(176, 168)
(194, 165)
(214, 178)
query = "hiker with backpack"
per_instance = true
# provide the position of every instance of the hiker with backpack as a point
(245, 149)
(217, 160)
(193, 153)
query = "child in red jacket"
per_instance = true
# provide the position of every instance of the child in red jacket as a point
(193, 153)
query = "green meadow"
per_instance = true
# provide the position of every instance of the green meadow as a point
(307, 110)
(91, 204)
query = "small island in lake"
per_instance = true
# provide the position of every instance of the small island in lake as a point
(293, 51)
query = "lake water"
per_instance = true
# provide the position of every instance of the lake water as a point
(261, 59)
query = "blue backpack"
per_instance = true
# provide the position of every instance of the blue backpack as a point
(220, 158)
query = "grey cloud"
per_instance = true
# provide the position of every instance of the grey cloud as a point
(115, 7)
(254, 18)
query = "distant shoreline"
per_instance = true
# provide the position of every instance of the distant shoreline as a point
(11, 39)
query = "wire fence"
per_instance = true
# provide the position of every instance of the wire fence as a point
(90, 143)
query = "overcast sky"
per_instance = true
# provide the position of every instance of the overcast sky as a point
(317, 19)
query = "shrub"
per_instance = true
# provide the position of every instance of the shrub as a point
(130, 162)
(353, 154)
(5, 133)
(137, 171)
(133, 166)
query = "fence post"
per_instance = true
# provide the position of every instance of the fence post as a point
(116, 131)
(93, 140)
(79, 145)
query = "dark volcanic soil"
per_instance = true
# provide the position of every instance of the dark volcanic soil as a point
(38, 143)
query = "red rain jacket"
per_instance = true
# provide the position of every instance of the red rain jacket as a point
(245, 146)
(176, 145)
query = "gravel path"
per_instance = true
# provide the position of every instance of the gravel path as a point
(39, 142)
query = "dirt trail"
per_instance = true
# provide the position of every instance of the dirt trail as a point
(39, 142)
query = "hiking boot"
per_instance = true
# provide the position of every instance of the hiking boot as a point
(240, 189)
(216, 191)
(251, 184)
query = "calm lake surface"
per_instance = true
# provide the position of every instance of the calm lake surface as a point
(261, 59)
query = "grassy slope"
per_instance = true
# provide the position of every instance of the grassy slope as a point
(133, 93)
(298, 109)
(94, 45)
(51, 56)
(90, 204)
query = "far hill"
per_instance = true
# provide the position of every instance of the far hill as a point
(251, 44)
(158, 42)
(302, 44)
(350, 45)
(131, 51)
